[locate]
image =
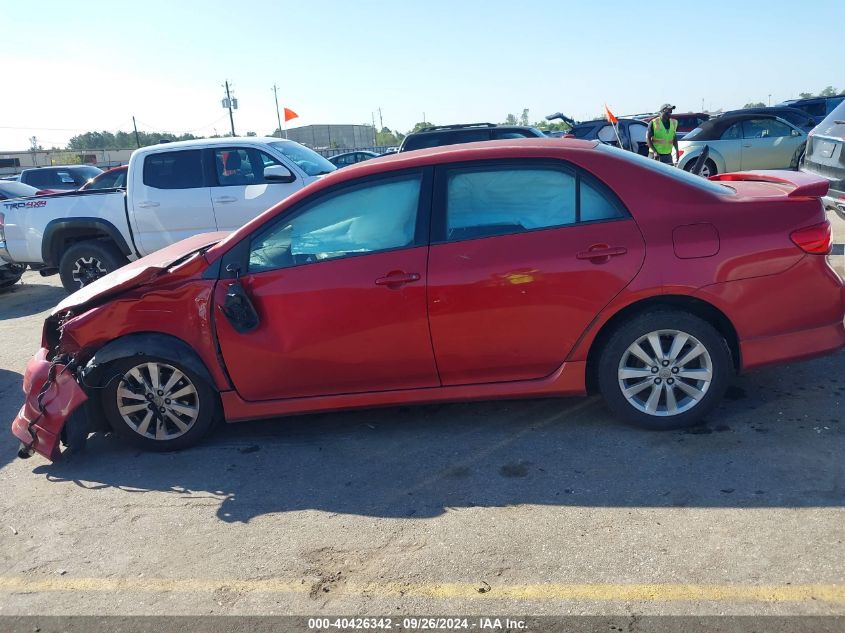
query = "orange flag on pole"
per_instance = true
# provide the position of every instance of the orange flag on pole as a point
(610, 116)
(290, 114)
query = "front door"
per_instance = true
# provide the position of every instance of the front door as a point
(339, 284)
(239, 190)
(768, 144)
(530, 253)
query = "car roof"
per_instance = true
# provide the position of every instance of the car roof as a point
(437, 129)
(227, 140)
(712, 129)
(43, 167)
(596, 121)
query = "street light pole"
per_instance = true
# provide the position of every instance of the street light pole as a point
(278, 116)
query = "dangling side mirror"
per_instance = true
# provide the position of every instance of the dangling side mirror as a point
(238, 308)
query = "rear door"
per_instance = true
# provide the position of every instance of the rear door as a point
(768, 144)
(239, 190)
(170, 199)
(524, 255)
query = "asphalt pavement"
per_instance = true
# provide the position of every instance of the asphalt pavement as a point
(522, 507)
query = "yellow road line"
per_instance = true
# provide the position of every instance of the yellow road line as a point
(834, 594)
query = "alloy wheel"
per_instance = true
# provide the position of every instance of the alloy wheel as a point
(665, 373)
(86, 270)
(158, 401)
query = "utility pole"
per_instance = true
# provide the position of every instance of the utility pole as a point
(770, 100)
(278, 116)
(380, 120)
(375, 137)
(229, 103)
(137, 138)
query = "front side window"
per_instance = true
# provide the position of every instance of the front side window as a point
(733, 133)
(174, 170)
(764, 128)
(368, 218)
(241, 166)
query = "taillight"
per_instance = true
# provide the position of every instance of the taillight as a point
(568, 136)
(816, 239)
(680, 153)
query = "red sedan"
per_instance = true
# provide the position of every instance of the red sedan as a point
(504, 269)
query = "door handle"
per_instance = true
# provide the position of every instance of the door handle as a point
(225, 199)
(746, 144)
(147, 204)
(397, 278)
(601, 253)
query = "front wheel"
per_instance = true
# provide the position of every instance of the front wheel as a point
(664, 370)
(709, 168)
(157, 404)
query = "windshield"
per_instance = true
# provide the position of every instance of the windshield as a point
(307, 160)
(667, 170)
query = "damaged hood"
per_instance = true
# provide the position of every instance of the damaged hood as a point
(139, 272)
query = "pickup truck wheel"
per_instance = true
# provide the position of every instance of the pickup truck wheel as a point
(157, 404)
(85, 262)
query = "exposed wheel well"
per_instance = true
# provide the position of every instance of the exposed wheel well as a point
(70, 237)
(138, 345)
(699, 308)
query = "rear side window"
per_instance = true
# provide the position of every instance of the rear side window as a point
(732, 133)
(174, 170)
(500, 200)
(42, 178)
(499, 134)
(582, 131)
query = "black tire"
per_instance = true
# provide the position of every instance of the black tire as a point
(709, 164)
(10, 274)
(616, 351)
(113, 379)
(87, 261)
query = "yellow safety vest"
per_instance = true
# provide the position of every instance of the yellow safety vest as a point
(662, 138)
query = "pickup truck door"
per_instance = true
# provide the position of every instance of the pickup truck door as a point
(239, 190)
(169, 198)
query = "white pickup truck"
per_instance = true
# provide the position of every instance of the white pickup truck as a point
(174, 190)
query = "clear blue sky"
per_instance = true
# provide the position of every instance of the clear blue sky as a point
(92, 65)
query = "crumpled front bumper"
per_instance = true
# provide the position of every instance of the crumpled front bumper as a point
(63, 397)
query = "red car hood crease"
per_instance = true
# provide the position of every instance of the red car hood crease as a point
(137, 273)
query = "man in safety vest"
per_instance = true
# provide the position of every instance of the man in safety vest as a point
(662, 135)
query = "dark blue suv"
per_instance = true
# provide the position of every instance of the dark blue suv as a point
(816, 107)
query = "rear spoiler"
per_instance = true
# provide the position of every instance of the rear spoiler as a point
(805, 185)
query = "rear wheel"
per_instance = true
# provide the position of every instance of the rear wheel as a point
(157, 404)
(85, 262)
(664, 370)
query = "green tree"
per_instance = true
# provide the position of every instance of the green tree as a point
(756, 104)
(121, 140)
(830, 91)
(387, 137)
(418, 126)
(805, 95)
(511, 120)
(523, 119)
